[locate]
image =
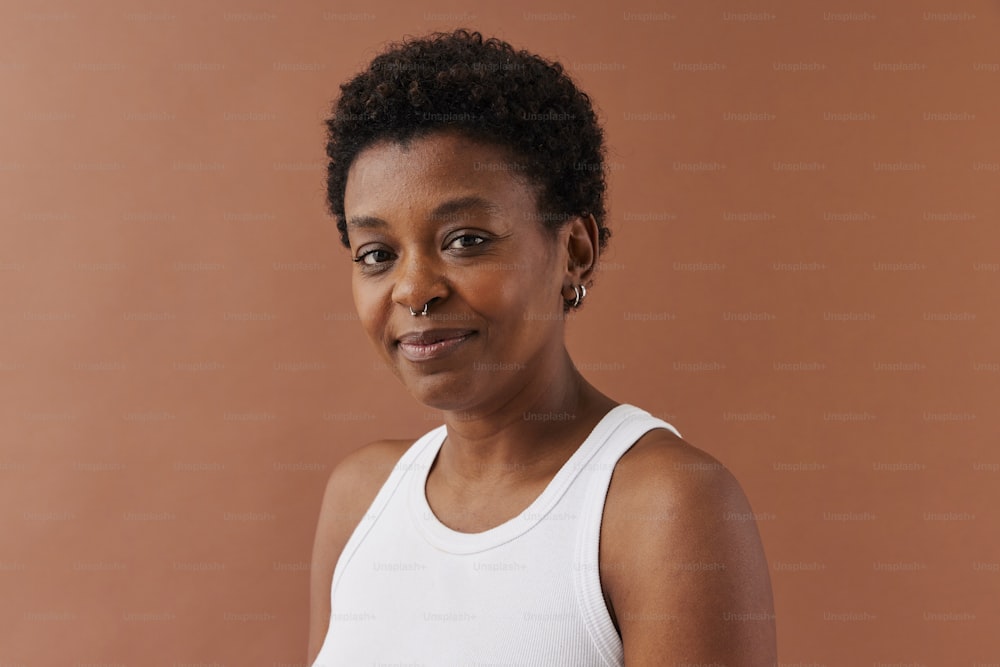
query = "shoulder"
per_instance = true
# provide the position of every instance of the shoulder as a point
(663, 483)
(662, 467)
(350, 490)
(362, 472)
(684, 562)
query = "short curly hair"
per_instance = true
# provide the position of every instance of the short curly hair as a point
(489, 92)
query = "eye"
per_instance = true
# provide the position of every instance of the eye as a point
(373, 257)
(466, 241)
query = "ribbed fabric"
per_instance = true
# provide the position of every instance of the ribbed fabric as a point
(409, 591)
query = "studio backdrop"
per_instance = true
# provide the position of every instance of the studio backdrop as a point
(804, 278)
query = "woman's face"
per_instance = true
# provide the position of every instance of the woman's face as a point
(449, 221)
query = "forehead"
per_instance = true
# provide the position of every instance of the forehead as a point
(432, 167)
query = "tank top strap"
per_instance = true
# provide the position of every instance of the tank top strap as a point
(413, 459)
(569, 476)
(635, 423)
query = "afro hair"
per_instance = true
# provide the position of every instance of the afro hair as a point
(483, 88)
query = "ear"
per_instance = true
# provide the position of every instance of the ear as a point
(581, 237)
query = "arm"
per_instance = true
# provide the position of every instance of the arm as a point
(692, 586)
(349, 493)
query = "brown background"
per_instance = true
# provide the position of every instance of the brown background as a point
(803, 279)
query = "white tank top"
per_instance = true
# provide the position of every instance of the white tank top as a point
(408, 591)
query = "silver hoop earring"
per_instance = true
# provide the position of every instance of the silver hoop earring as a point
(581, 292)
(423, 312)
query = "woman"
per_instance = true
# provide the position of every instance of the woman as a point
(544, 523)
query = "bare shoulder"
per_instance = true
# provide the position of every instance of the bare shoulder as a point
(663, 483)
(352, 486)
(356, 479)
(350, 490)
(667, 466)
(683, 564)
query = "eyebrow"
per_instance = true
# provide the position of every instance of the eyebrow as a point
(444, 210)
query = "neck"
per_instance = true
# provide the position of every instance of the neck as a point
(527, 435)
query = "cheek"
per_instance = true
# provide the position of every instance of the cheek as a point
(496, 291)
(511, 291)
(367, 303)
(511, 297)
(531, 287)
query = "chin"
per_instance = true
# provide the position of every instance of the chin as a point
(447, 391)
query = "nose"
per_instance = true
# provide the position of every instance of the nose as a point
(419, 280)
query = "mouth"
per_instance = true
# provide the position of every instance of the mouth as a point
(423, 346)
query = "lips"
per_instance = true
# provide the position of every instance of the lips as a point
(431, 336)
(431, 344)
